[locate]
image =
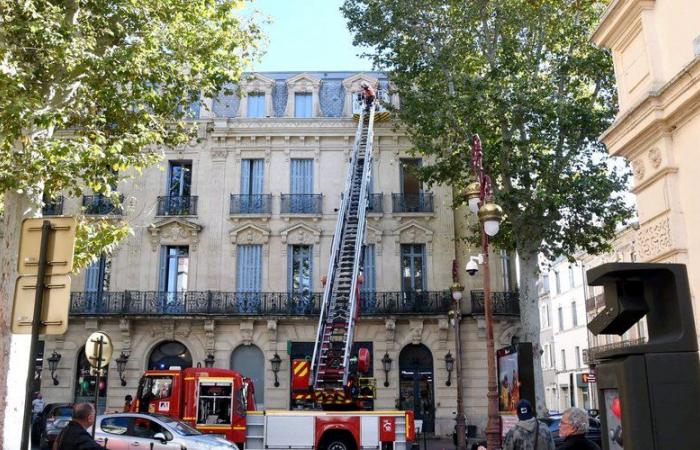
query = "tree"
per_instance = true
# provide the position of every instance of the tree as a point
(90, 92)
(522, 75)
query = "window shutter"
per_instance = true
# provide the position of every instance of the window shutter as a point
(258, 174)
(302, 176)
(245, 176)
(369, 269)
(92, 276)
(248, 272)
(162, 282)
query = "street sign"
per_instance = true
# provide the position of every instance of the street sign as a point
(54, 307)
(588, 378)
(98, 358)
(59, 253)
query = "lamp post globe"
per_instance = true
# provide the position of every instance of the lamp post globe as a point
(490, 215)
(473, 193)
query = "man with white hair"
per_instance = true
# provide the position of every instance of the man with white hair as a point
(573, 428)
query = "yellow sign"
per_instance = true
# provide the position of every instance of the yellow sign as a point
(59, 253)
(55, 305)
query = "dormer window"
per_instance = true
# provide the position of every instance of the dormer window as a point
(353, 92)
(256, 104)
(302, 104)
(302, 100)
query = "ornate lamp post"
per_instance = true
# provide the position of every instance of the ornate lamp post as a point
(480, 198)
(275, 363)
(209, 361)
(456, 316)
(386, 365)
(53, 365)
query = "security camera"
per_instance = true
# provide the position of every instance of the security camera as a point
(473, 264)
(472, 267)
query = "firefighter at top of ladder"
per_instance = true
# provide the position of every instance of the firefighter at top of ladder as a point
(367, 94)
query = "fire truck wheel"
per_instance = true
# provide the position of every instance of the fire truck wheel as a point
(337, 442)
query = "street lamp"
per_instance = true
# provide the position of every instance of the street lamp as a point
(490, 216)
(457, 290)
(121, 367)
(209, 361)
(386, 365)
(53, 364)
(275, 363)
(449, 365)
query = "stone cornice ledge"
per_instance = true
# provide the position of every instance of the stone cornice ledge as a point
(616, 20)
(224, 126)
(658, 112)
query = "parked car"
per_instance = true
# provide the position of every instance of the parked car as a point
(125, 431)
(553, 422)
(50, 422)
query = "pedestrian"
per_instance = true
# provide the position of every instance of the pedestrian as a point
(127, 402)
(37, 406)
(75, 435)
(573, 428)
(368, 94)
(529, 433)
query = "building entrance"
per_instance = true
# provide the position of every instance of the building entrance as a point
(416, 384)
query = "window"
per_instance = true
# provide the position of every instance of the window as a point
(146, 429)
(552, 358)
(368, 269)
(547, 356)
(180, 179)
(174, 267)
(215, 398)
(302, 105)
(252, 176)
(256, 104)
(574, 315)
(563, 359)
(301, 186)
(97, 277)
(578, 356)
(300, 274)
(412, 267)
(249, 268)
(557, 282)
(115, 425)
(410, 183)
(548, 315)
(572, 282)
(561, 318)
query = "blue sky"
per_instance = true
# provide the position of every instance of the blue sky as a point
(307, 35)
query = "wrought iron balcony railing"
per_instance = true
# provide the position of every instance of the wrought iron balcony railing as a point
(374, 204)
(101, 205)
(177, 205)
(595, 352)
(153, 303)
(504, 303)
(301, 203)
(412, 203)
(53, 207)
(251, 204)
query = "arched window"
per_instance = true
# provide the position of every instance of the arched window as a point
(416, 383)
(250, 362)
(85, 382)
(169, 353)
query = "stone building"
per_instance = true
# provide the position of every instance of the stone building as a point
(232, 233)
(655, 46)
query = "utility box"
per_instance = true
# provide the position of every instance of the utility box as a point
(649, 392)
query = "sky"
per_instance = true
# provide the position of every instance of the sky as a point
(307, 35)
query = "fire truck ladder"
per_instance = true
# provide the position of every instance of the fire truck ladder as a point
(334, 338)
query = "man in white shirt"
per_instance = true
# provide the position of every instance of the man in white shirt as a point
(37, 405)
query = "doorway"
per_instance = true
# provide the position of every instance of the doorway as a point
(416, 384)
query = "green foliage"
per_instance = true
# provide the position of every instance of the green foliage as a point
(92, 89)
(524, 76)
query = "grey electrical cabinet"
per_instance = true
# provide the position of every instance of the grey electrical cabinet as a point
(649, 392)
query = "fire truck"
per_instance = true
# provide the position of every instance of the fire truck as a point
(332, 384)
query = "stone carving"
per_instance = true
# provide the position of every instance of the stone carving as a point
(416, 331)
(125, 330)
(654, 238)
(247, 332)
(443, 329)
(413, 233)
(219, 154)
(272, 330)
(301, 234)
(209, 336)
(183, 330)
(638, 169)
(655, 157)
(174, 231)
(249, 234)
(390, 330)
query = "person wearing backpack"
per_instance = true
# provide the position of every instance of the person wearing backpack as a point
(529, 433)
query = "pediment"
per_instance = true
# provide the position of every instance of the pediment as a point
(174, 231)
(352, 83)
(372, 235)
(249, 234)
(413, 232)
(303, 80)
(301, 234)
(257, 82)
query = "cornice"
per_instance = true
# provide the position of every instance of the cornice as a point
(235, 126)
(617, 19)
(659, 112)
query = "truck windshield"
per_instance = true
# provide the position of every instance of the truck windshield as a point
(153, 388)
(214, 405)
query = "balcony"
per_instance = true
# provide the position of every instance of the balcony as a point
(594, 353)
(504, 303)
(301, 204)
(171, 205)
(412, 203)
(374, 203)
(216, 303)
(53, 207)
(99, 205)
(253, 204)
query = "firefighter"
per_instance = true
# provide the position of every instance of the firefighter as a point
(368, 95)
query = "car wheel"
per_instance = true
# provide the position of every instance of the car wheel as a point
(337, 444)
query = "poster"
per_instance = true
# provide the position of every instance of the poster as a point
(508, 380)
(613, 416)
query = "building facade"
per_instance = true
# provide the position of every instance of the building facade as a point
(232, 234)
(655, 46)
(549, 374)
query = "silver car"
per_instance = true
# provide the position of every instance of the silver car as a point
(131, 431)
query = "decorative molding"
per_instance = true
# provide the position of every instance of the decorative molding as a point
(374, 236)
(390, 332)
(655, 157)
(638, 169)
(183, 330)
(303, 83)
(416, 331)
(272, 331)
(174, 231)
(209, 336)
(300, 234)
(125, 331)
(250, 234)
(413, 233)
(443, 330)
(246, 328)
(219, 154)
(654, 238)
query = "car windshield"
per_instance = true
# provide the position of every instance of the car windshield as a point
(180, 428)
(63, 411)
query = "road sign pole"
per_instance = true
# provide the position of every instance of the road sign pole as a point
(98, 371)
(36, 324)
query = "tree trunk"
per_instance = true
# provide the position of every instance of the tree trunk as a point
(530, 318)
(14, 349)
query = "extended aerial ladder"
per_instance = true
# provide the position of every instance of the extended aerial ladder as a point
(331, 364)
